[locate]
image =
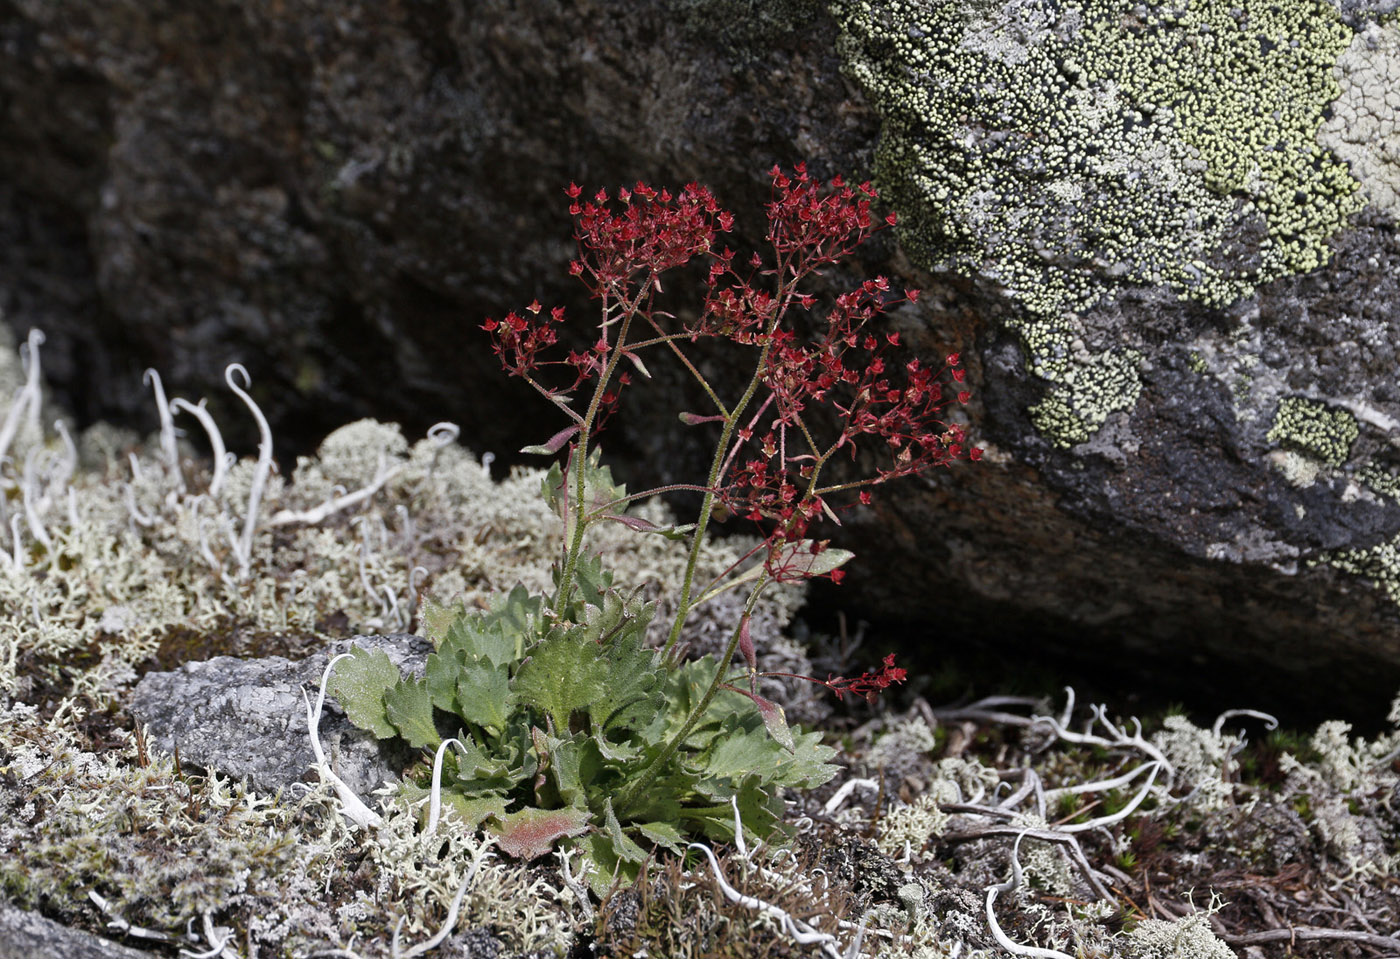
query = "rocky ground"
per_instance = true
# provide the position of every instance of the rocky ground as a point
(1003, 826)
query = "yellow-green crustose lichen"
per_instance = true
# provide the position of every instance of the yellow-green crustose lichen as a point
(1066, 149)
(1314, 429)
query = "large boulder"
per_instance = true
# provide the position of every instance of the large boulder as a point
(1162, 235)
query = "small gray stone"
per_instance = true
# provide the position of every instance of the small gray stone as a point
(246, 717)
(28, 935)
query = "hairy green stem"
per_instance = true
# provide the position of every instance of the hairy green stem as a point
(785, 295)
(579, 507)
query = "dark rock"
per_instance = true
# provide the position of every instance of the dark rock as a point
(246, 718)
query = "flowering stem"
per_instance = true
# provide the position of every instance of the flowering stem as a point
(581, 517)
(670, 340)
(717, 467)
(654, 491)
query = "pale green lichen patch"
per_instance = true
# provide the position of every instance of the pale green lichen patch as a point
(1085, 394)
(1379, 480)
(1065, 151)
(1058, 149)
(1314, 429)
(1364, 128)
(1379, 563)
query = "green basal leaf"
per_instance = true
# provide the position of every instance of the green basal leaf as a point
(760, 807)
(746, 746)
(483, 695)
(617, 753)
(409, 707)
(663, 834)
(563, 674)
(634, 690)
(479, 772)
(438, 619)
(441, 672)
(359, 684)
(471, 811)
(607, 866)
(519, 616)
(574, 763)
(500, 634)
(807, 767)
(623, 846)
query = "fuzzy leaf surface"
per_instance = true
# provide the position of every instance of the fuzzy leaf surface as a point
(359, 684)
(532, 832)
(409, 707)
(564, 673)
(483, 695)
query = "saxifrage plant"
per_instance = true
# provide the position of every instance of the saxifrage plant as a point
(553, 719)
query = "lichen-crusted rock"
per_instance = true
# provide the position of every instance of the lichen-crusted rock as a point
(246, 718)
(1163, 236)
(1190, 269)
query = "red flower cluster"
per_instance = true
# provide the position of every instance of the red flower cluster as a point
(519, 341)
(773, 466)
(654, 232)
(816, 226)
(846, 367)
(867, 684)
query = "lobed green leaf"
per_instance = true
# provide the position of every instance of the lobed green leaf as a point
(359, 684)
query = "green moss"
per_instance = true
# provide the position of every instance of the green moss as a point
(1314, 429)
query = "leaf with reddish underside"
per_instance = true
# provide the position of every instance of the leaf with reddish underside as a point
(533, 832)
(773, 717)
(695, 419)
(746, 644)
(647, 526)
(552, 445)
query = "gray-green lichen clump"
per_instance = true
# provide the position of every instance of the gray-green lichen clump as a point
(1064, 150)
(1315, 429)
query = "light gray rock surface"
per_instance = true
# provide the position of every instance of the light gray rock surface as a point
(246, 718)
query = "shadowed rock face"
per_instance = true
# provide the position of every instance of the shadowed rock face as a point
(1190, 479)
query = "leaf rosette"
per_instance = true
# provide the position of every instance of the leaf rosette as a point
(554, 720)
